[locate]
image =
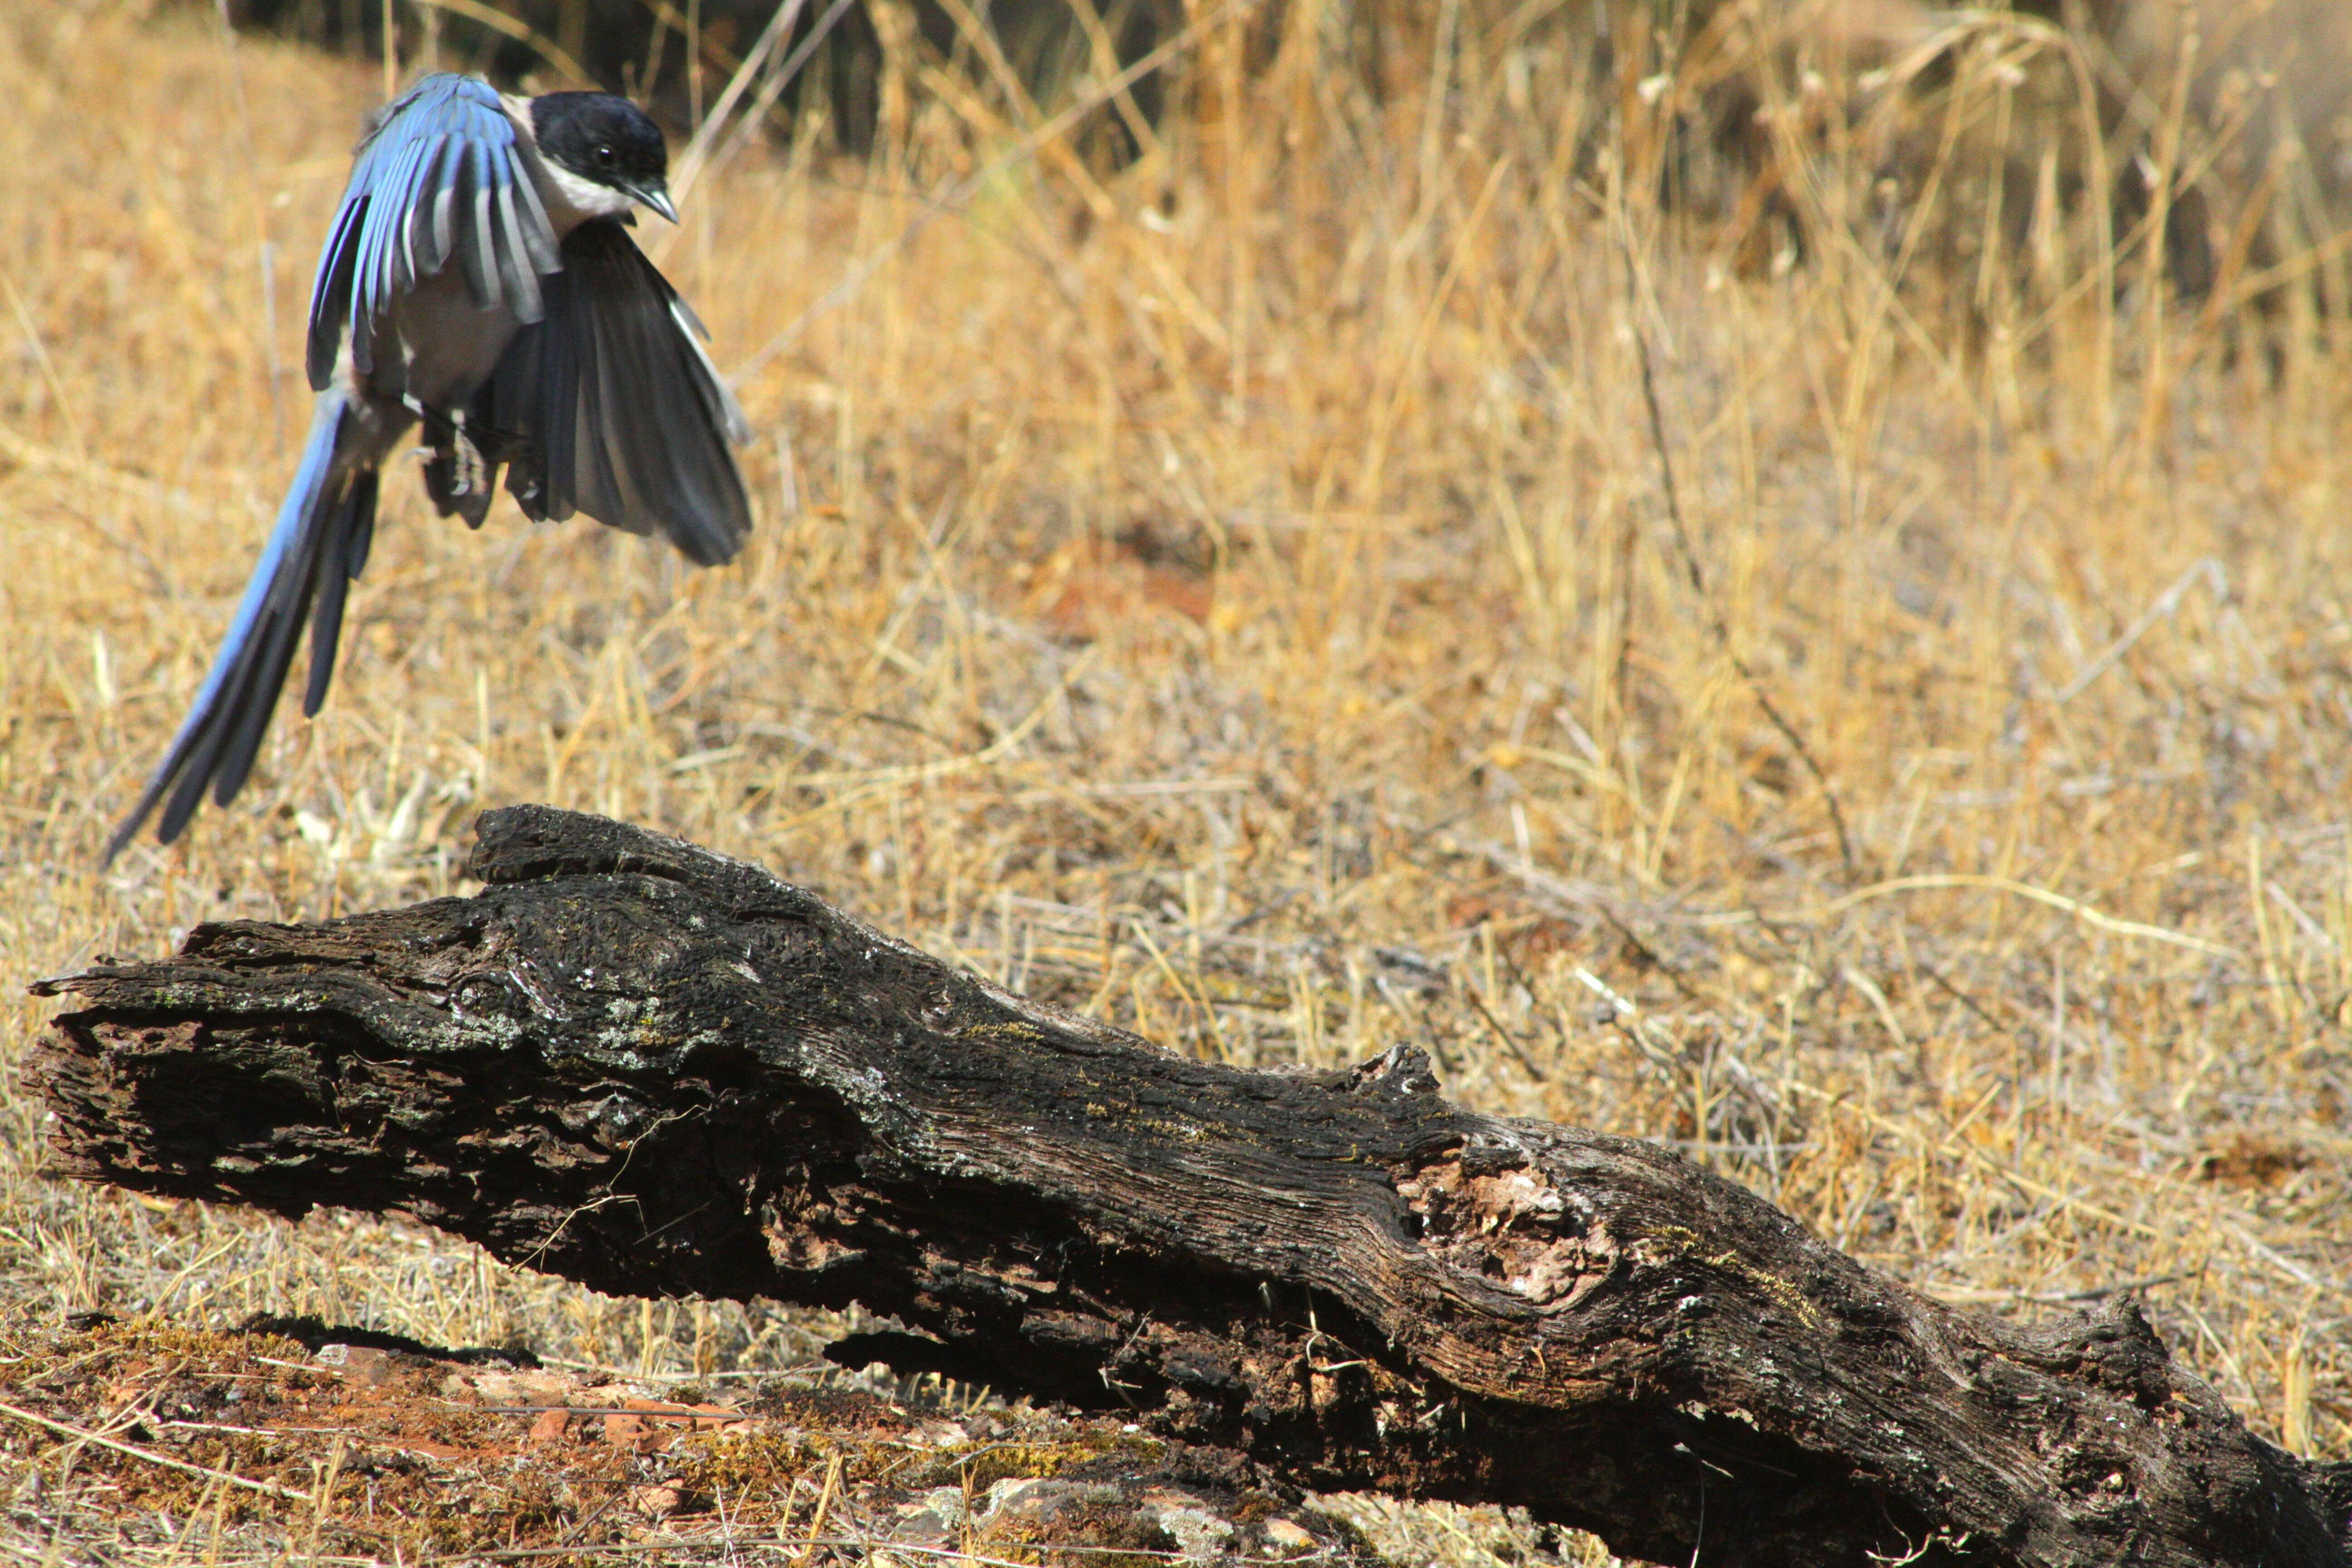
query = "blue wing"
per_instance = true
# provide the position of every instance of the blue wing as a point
(441, 180)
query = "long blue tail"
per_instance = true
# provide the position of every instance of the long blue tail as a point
(319, 546)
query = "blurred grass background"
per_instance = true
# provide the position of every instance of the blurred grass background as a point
(1766, 574)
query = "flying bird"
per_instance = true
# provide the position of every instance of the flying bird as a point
(479, 281)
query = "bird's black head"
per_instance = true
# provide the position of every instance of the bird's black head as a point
(605, 141)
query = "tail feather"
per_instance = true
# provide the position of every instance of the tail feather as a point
(249, 718)
(320, 540)
(187, 795)
(363, 523)
(355, 523)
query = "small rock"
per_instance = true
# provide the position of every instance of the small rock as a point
(1285, 1536)
(931, 1520)
(1197, 1530)
(627, 1429)
(647, 1425)
(364, 1366)
(1014, 1492)
(1037, 1501)
(655, 1502)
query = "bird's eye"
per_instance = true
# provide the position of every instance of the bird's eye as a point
(604, 154)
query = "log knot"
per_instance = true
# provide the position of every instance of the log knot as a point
(1506, 1222)
(1400, 1069)
(2112, 1347)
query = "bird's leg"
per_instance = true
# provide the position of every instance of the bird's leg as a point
(445, 443)
(473, 475)
(456, 475)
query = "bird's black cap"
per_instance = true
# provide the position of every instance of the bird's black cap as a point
(606, 139)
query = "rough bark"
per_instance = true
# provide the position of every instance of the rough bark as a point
(659, 1072)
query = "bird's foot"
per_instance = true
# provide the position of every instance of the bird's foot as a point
(455, 464)
(470, 472)
(456, 475)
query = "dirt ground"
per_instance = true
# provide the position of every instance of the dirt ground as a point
(284, 1439)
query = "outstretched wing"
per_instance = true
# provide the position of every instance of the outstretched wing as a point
(608, 406)
(441, 179)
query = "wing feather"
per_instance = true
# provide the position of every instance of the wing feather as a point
(336, 266)
(516, 277)
(609, 406)
(445, 197)
(441, 179)
(481, 258)
(390, 239)
(418, 220)
(538, 232)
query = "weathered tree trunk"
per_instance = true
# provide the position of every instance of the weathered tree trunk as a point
(659, 1071)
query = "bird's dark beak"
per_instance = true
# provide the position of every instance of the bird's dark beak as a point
(656, 196)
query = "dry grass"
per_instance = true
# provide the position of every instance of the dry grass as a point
(1239, 594)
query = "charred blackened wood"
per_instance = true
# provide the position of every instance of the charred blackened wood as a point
(661, 1072)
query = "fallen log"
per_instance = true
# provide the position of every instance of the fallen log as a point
(659, 1071)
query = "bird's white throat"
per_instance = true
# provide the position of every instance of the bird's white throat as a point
(571, 200)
